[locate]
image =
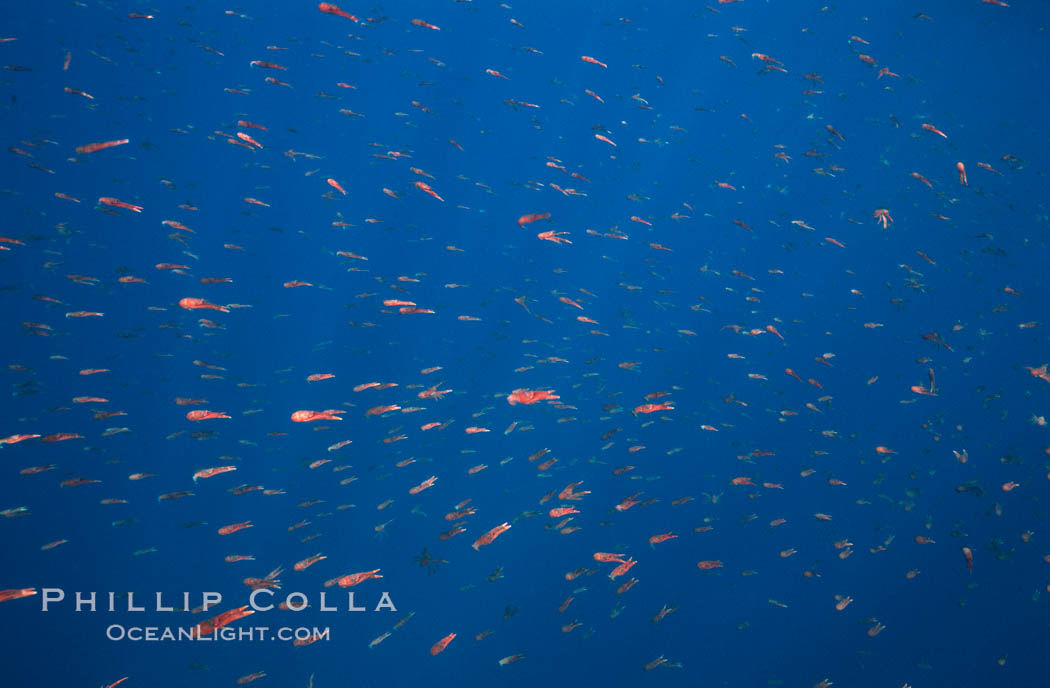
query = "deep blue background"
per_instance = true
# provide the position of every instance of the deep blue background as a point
(972, 71)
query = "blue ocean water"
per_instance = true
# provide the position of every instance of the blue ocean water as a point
(722, 232)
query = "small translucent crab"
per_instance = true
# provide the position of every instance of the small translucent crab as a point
(428, 561)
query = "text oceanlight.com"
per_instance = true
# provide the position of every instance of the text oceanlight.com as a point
(300, 636)
(215, 628)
